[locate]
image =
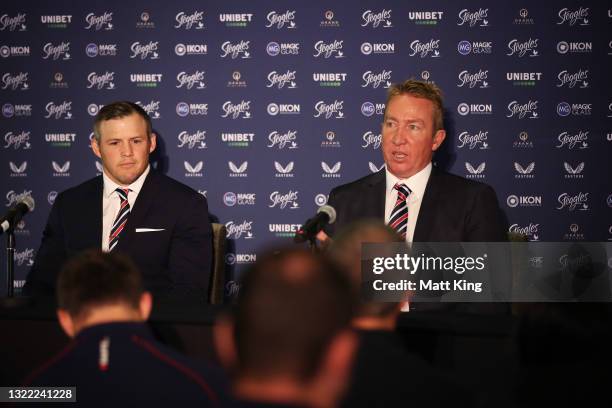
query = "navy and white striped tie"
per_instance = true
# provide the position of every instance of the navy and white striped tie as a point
(121, 220)
(399, 216)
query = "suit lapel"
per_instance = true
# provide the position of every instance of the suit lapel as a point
(92, 215)
(378, 188)
(139, 210)
(427, 212)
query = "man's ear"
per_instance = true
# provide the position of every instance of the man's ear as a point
(153, 140)
(95, 147)
(65, 320)
(223, 336)
(438, 139)
(145, 305)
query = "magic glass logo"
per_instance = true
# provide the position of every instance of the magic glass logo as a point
(191, 80)
(375, 80)
(281, 20)
(475, 47)
(328, 50)
(60, 51)
(149, 50)
(281, 140)
(231, 199)
(103, 21)
(190, 21)
(273, 48)
(377, 19)
(184, 109)
(101, 50)
(473, 140)
(476, 18)
(13, 23)
(21, 110)
(575, 109)
(523, 48)
(240, 49)
(368, 109)
(194, 140)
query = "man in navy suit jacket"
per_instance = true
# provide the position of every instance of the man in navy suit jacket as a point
(441, 206)
(161, 224)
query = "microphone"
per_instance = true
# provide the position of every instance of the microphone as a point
(15, 214)
(325, 215)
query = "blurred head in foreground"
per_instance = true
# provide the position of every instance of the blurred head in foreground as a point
(288, 339)
(346, 250)
(96, 287)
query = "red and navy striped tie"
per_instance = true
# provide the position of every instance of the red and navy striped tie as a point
(121, 220)
(399, 216)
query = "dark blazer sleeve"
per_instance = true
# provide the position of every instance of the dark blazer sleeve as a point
(190, 255)
(50, 256)
(483, 222)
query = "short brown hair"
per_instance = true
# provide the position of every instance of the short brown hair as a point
(93, 278)
(291, 305)
(116, 110)
(420, 89)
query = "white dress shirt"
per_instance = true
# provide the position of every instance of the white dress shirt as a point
(417, 184)
(111, 202)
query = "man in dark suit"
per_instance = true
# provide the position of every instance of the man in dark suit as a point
(113, 357)
(160, 223)
(422, 203)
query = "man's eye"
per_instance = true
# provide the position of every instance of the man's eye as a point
(113, 143)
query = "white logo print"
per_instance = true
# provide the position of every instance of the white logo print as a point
(236, 231)
(188, 21)
(471, 18)
(194, 169)
(522, 110)
(371, 139)
(276, 139)
(374, 168)
(98, 22)
(143, 51)
(192, 140)
(466, 139)
(190, 80)
(327, 50)
(60, 169)
(520, 49)
(57, 111)
(471, 80)
(571, 80)
(235, 110)
(527, 170)
(56, 51)
(425, 49)
(283, 200)
(284, 170)
(328, 110)
(572, 170)
(14, 82)
(152, 109)
(16, 140)
(11, 23)
(375, 80)
(331, 170)
(234, 50)
(280, 20)
(280, 80)
(478, 170)
(572, 140)
(571, 202)
(565, 15)
(102, 81)
(238, 169)
(369, 17)
(18, 169)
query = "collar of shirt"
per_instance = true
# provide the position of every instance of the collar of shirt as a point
(416, 183)
(110, 186)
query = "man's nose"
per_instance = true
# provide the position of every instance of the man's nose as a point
(127, 150)
(400, 137)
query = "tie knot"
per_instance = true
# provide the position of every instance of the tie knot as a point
(123, 193)
(402, 189)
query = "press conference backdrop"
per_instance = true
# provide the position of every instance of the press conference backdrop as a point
(265, 106)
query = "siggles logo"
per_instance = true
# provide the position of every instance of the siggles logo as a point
(193, 170)
(572, 79)
(471, 18)
(285, 139)
(473, 79)
(101, 81)
(235, 111)
(331, 172)
(573, 16)
(55, 52)
(192, 140)
(236, 231)
(376, 79)
(328, 111)
(371, 139)
(569, 140)
(104, 21)
(17, 140)
(530, 231)
(149, 50)
(571, 202)
(280, 80)
(281, 20)
(14, 82)
(473, 140)
(520, 49)
(240, 49)
(521, 110)
(13, 23)
(424, 50)
(189, 21)
(287, 200)
(377, 19)
(190, 80)
(152, 108)
(328, 50)
(60, 111)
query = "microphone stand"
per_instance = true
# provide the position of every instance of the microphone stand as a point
(10, 262)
